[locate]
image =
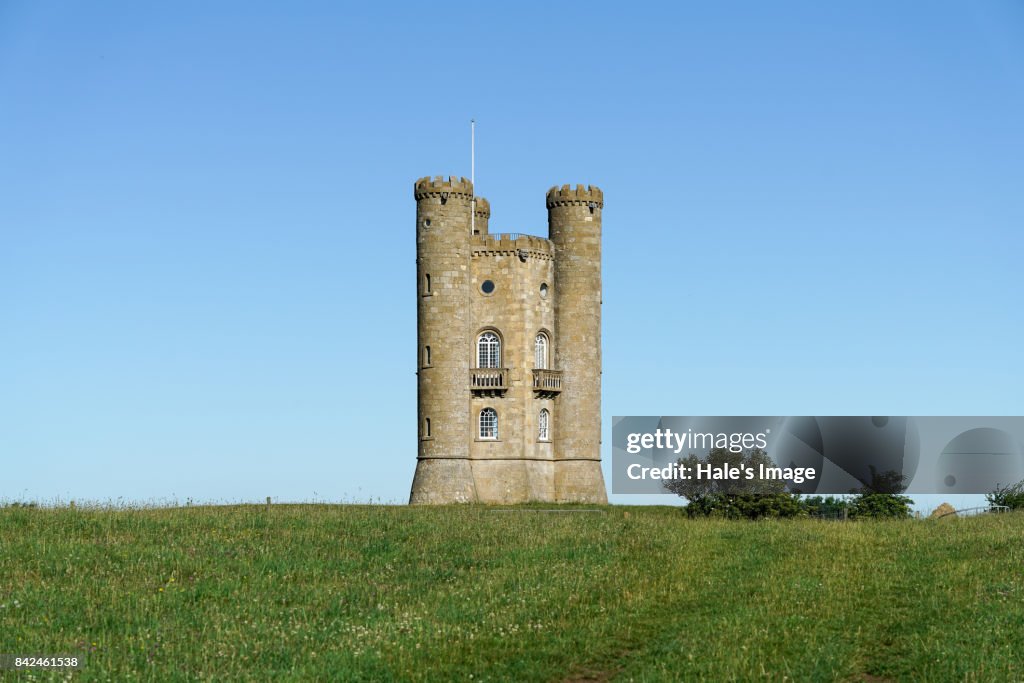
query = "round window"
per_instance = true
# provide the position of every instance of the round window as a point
(543, 290)
(487, 287)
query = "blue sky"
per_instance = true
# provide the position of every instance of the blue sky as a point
(207, 273)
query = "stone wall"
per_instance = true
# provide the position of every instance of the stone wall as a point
(518, 265)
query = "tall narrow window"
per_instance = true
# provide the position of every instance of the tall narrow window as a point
(488, 423)
(426, 284)
(488, 351)
(426, 356)
(426, 427)
(544, 425)
(540, 351)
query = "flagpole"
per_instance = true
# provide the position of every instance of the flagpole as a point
(472, 173)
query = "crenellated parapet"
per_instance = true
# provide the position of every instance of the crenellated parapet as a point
(581, 195)
(483, 208)
(438, 187)
(522, 246)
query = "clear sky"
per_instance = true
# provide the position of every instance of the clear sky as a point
(207, 280)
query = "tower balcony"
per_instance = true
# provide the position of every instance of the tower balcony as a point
(488, 381)
(547, 383)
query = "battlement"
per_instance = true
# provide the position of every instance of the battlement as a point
(524, 246)
(483, 208)
(439, 187)
(581, 195)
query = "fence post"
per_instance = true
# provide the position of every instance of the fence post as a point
(268, 503)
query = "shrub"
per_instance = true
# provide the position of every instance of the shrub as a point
(745, 505)
(878, 505)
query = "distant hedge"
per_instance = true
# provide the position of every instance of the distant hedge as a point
(782, 505)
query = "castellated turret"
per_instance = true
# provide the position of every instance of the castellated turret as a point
(574, 227)
(509, 350)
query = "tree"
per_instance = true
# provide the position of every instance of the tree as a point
(697, 487)
(733, 497)
(883, 497)
(878, 505)
(1007, 496)
(889, 481)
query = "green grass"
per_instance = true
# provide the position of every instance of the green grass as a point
(318, 592)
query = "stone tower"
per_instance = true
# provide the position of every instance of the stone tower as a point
(508, 350)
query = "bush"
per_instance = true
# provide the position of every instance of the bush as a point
(878, 505)
(745, 505)
(1008, 496)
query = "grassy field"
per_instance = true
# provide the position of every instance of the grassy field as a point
(318, 592)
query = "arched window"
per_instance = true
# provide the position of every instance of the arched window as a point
(544, 425)
(488, 423)
(540, 351)
(488, 351)
(426, 427)
(426, 356)
(426, 284)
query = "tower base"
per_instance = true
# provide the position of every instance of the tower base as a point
(501, 482)
(444, 481)
(439, 481)
(579, 481)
